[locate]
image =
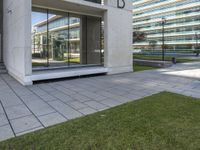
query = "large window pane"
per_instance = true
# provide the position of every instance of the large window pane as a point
(39, 37)
(74, 40)
(58, 38)
(65, 39)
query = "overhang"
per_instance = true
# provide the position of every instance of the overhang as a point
(73, 6)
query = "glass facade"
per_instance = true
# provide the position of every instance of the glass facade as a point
(181, 28)
(62, 39)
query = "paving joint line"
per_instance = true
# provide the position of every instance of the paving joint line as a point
(47, 102)
(24, 103)
(68, 104)
(8, 118)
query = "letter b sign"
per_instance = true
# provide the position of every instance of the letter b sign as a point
(121, 4)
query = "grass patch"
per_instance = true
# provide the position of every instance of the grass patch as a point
(138, 67)
(162, 121)
(71, 60)
(74, 60)
(36, 64)
(167, 58)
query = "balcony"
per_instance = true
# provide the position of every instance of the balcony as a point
(94, 1)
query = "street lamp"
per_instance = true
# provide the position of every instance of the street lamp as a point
(196, 37)
(163, 38)
(197, 45)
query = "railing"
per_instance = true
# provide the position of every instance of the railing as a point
(94, 1)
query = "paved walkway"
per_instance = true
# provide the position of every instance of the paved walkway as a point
(26, 109)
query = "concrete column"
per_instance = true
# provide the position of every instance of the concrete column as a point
(90, 40)
(17, 39)
(118, 36)
(1, 29)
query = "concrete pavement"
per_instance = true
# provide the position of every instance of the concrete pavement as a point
(26, 109)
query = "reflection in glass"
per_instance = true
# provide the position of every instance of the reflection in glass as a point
(65, 39)
(39, 37)
(58, 38)
(74, 40)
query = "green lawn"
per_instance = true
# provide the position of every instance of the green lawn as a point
(36, 64)
(167, 58)
(71, 60)
(138, 67)
(164, 121)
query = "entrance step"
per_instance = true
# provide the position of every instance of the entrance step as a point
(2, 68)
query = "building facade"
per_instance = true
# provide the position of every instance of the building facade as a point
(48, 39)
(182, 26)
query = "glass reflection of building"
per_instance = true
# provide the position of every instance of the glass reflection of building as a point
(56, 40)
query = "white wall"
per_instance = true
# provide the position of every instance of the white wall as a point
(17, 39)
(118, 37)
(1, 28)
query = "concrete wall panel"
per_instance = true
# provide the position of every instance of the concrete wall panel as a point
(118, 38)
(1, 29)
(17, 38)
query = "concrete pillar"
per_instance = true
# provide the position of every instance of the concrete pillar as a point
(90, 40)
(118, 36)
(17, 39)
(1, 29)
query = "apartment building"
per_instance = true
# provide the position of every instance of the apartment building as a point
(181, 29)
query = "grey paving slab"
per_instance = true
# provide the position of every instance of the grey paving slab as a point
(65, 90)
(30, 98)
(60, 95)
(77, 105)
(52, 119)
(87, 110)
(65, 110)
(10, 99)
(81, 97)
(96, 105)
(92, 95)
(105, 94)
(47, 97)
(25, 123)
(39, 107)
(1, 109)
(17, 111)
(46, 87)
(111, 102)
(21, 90)
(29, 131)
(6, 132)
(3, 120)
(37, 90)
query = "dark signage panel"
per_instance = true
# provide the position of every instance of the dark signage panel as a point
(121, 4)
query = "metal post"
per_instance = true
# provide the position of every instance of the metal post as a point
(196, 37)
(163, 38)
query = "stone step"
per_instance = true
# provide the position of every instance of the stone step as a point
(2, 68)
(3, 71)
(2, 64)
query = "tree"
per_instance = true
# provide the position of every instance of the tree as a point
(138, 36)
(152, 44)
